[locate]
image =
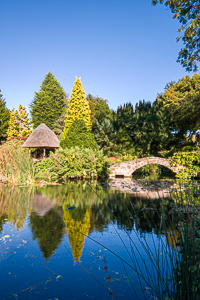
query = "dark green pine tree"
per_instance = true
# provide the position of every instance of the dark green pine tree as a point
(4, 117)
(49, 103)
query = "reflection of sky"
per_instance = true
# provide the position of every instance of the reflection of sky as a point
(21, 268)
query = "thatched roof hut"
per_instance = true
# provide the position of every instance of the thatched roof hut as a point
(42, 137)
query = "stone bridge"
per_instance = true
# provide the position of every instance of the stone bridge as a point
(127, 168)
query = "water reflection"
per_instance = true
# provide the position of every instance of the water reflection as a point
(14, 204)
(48, 230)
(41, 204)
(77, 227)
(155, 190)
(97, 206)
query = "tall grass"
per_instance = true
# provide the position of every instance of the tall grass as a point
(15, 164)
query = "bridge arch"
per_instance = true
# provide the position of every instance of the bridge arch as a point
(127, 168)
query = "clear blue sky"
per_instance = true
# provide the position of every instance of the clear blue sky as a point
(123, 50)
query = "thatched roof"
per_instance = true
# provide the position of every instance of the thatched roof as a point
(42, 137)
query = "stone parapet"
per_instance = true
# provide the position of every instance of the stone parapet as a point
(127, 168)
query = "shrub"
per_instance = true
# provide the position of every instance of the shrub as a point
(72, 163)
(187, 163)
(78, 135)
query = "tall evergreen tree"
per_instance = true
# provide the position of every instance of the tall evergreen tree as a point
(49, 103)
(4, 117)
(19, 123)
(78, 108)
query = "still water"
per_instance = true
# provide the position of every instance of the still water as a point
(66, 241)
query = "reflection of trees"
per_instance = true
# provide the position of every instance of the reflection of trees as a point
(48, 230)
(96, 206)
(77, 226)
(14, 202)
(126, 210)
(75, 193)
(3, 220)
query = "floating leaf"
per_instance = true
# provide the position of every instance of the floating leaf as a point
(71, 207)
(108, 279)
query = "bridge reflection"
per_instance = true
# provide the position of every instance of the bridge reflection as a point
(156, 190)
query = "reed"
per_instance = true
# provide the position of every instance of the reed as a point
(15, 164)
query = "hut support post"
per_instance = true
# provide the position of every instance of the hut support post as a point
(29, 152)
(44, 153)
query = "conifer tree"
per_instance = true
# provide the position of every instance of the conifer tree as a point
(19, 123)
(59, 125)
(49, 103)
(78, 135)
(4, 116)
(78, 107)
(13, 124)
(25, 125)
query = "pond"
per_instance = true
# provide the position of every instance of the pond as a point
(84, 240)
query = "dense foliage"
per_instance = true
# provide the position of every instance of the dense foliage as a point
(146, 126)
(187, 164)
(49, 103)
(78, 135)
(78, 107)
(19, 123)
(72, 163)
(4, 117)
(59, 125)
(182, 100)
(106, 136)
(99, 108)
(188, 14)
